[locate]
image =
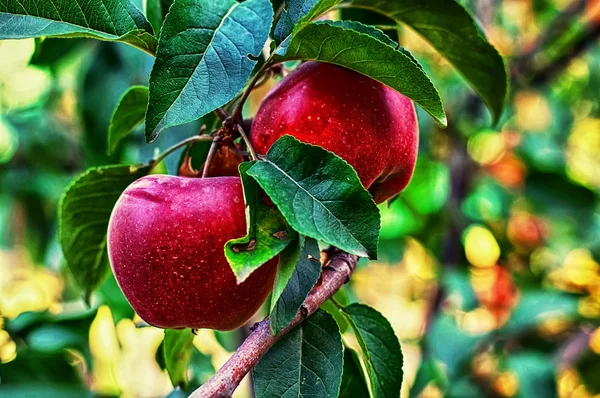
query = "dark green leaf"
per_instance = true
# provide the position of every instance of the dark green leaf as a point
(157, 11)
(178, 348)
(112, 20)
(353, 379)
(381, 349)
(128, 114)
(84, 212)
(304, 276)
(305, 362)
(369, 30)
(268, 233)
(297, 14)
(336, 43)
(206, 53)
(320, 195)
(450, 29)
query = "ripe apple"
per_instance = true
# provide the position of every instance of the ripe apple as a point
(166, 240)
(366, 123)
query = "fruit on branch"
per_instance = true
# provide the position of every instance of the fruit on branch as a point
(371, 126)
(166, 240)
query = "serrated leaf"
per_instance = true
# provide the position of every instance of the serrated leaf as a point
(320, 195)
(297, 14)
(338, 44)
(206, 53)
(306, 362)
(366, 29)
(268, 232)
(452, 31)
(84, 213)
(380, 348)
(178, 348)
(112, 20)
(129, 113)
(353, 379)
(306, 271)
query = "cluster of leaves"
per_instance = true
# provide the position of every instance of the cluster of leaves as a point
(206, 54)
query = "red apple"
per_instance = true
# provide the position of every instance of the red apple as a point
(371, 126)
(166, 240)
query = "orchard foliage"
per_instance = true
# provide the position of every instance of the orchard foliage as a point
(203, 60)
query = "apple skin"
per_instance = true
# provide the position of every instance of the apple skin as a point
(166, 241)
(366, 123)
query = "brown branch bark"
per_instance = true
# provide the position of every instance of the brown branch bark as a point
(335, 274)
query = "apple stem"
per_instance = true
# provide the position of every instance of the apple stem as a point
(226, 379)
(211, 154)
(247, 141)
(180, 144)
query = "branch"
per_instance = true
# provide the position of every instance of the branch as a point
(225, 381)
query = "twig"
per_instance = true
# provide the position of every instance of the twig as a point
(175, 147)
(221, 114)
(226, 380)
(211, 155)
(563, 61)
(237, 112)
(247, 141)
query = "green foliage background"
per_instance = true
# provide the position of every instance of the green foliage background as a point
(488, 262)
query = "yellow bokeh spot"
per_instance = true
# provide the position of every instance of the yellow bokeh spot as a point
(8, 142)
(506, 384)
(8, 348)
(481, 247)
(583, 153)
(486, 147)
(480, 320)
(532, 111)
(595, 341)
(25, 287)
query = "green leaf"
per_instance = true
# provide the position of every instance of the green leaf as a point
(268, 233)
(381, 349)
(330, 306)
(128, 114)
(157, 11)
(305, 274)
(353, 379)
(339, 44)
(206, 53)
(306, 362)
(112, 20)
(178, 348)
(451, 30)
(320, 195)
(84, 212)
(297, 14)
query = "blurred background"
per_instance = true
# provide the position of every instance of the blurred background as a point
(488, 265)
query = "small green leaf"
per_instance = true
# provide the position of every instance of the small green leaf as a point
(306, 362)
(380, 347)
(206, 53)
(450, 29)
(304, 276)
(84, 213)
(353, 379)
(178, 347)
(112, 20)
(339, 44)
(297, 14)
(320, 195)
(128, 114)
(268, 232)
